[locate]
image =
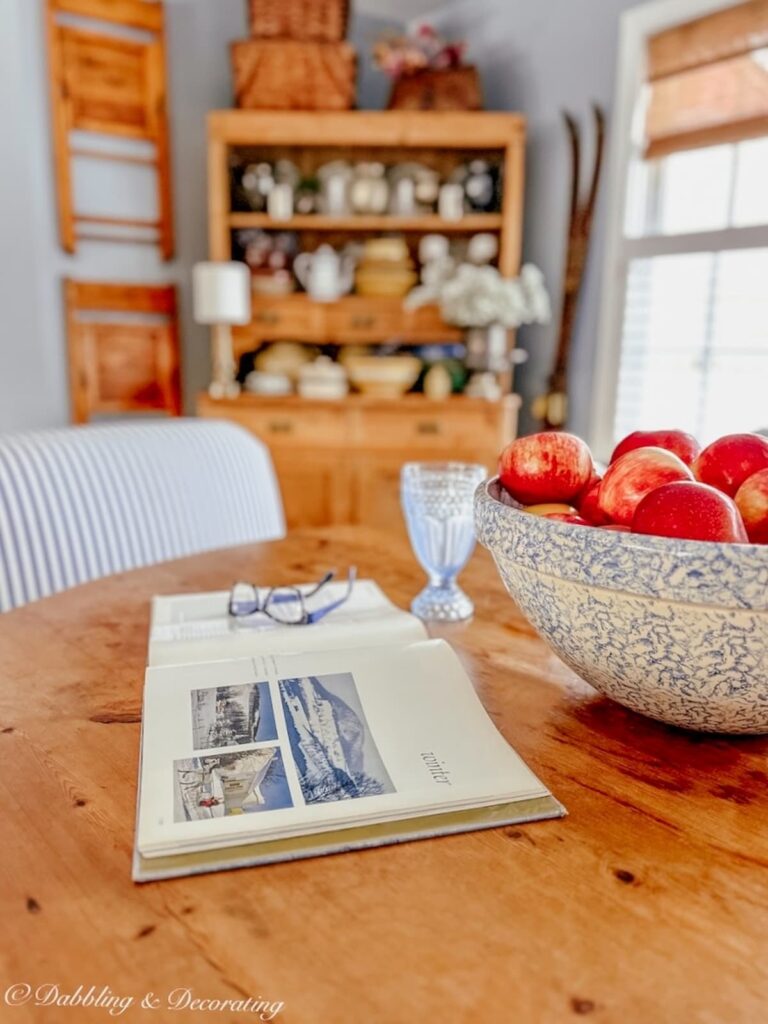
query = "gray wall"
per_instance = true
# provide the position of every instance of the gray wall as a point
(32, 384)
(539, 58)
(33, 387)
(372, 85)
(198, 34)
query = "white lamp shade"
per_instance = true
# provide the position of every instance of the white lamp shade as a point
(222, 293)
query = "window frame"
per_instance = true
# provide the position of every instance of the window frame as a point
(635, 27)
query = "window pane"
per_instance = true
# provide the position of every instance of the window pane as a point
(695, 190)
(660, 375)
(699, 190)
(750, 200)
(734, 399)
(740, 316)
(694, 352)
(737, 368)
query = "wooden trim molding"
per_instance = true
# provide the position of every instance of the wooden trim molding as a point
(378, 128)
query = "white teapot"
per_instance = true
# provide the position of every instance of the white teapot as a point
(324, 274)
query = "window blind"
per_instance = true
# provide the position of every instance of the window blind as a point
(694, 349)
(708, 80)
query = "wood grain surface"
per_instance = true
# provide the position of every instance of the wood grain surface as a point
(647, 904)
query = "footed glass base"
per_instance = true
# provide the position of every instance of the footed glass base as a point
(442, 603)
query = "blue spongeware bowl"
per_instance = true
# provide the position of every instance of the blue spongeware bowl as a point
(674, 629)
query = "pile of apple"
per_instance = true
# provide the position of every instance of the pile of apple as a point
(658, 482)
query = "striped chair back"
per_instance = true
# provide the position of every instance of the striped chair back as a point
(84, 502)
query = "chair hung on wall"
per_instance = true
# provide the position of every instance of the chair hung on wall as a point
(123, 349)
(80, 503)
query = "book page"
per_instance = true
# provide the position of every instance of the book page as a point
(274, 746)
(197, 627)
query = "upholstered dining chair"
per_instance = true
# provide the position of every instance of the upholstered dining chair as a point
(83, 502)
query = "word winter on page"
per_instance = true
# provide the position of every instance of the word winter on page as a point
(436, 767)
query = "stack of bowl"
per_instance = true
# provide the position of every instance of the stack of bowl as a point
(385, 270)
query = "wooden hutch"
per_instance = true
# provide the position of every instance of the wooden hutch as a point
(339, 461)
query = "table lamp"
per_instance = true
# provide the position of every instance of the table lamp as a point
(222, 297)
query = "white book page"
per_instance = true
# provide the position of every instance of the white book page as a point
(336, 738)
(197, 627)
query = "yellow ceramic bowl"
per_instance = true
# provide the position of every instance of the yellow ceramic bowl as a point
(383, 376)
(380, 282)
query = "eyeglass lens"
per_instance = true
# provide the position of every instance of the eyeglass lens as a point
(285, 605)
(244, 599)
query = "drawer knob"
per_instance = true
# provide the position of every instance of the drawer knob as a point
(428, 427)
(362, 321)
(280, 427)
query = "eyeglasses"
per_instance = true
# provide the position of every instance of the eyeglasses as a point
(286, 605)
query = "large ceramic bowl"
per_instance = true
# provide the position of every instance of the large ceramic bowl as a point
(383, 376)
(677, 630)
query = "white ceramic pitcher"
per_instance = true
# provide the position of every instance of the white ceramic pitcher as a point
(324, 274)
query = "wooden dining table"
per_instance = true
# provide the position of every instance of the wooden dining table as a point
(647, 904)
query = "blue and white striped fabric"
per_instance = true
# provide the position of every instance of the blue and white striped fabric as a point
(85, 502)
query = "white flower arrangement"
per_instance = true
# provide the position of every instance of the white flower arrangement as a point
(472, 296)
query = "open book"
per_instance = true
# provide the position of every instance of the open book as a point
(264, 742)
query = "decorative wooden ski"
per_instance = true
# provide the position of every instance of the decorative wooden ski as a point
(552, 408)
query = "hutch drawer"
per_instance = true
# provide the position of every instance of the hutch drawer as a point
(339, 462)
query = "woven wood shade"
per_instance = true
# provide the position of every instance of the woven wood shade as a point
(709, 80)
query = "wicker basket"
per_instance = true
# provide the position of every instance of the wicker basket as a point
(438, 89)
(282, 74)
(323, 21)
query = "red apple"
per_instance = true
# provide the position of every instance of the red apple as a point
(692, 511)
(616, 527)
(729, 461)
(683, 445)
(595, 478)
(551, 466)
(632, 476)
(752, 501)
(588, 505)
(562, 517)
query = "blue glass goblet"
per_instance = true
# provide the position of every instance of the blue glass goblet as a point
(437, 499)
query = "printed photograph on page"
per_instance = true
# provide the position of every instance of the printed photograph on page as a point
(223, 785)
(229, 716)
(334, 751)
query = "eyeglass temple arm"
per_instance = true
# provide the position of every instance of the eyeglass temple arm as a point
(279, 598)
(326, 579)
(322, 612)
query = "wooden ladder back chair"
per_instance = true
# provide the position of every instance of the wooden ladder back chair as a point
(123, 348)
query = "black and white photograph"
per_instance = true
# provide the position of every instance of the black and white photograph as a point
(229, 716)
